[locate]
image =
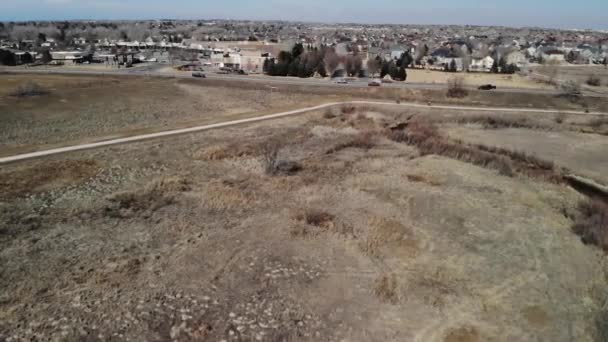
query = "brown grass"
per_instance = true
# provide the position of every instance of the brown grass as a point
(591, 223)
(423, 179)
(46, 176)
(153, 196)
(364, 140)
(387, 288)
(496, 122)
(226, 196)
(425, 136)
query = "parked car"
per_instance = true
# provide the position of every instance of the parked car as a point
(487, 87)
(341, 81)
(375, 83)
(199, 74)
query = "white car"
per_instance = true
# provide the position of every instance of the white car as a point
(341, 81)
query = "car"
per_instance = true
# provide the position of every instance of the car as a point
(375, 83)
(341, 81)
(199, 75)
(487, 87)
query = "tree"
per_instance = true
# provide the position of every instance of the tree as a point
(331, 62)
(605, 62)
(494, 68)
(405, 60)
(453, 66)
(41, 38)
(297, 50)
(502, 65)
(373, 66)
(7, 58)
(401, 74)
(266, 65)
(46, 56)
(353, 65)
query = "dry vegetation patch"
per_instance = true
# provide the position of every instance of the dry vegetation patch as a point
(387, 288)
(46, 176)
(591, 223)
(146, 200)
(29, 89)
(457, 88)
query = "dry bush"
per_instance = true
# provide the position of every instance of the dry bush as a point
(598, 122)
(387, 288)
(365, 140)
(423, 179)
(269, 152)
(221, 152)
(456, 88)
(571, 89)
(591, 223)
(317, 218)
(29, 89)
(153, 196)
(560, 118)
(329, 113)
(594, 81)
(348, 109)
(226, 195)
(496, 122)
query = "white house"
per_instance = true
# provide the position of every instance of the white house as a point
(67, 57)
(517, 58)
(482, 64)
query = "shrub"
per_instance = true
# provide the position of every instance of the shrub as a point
(329, 114)
(269, 152)
(317, 218)
(150, 198)
(29, 89)
(495, 122)
(348, 109)
(571, 88)
(594, 81)
(387, 289)
(456, 88)
(560, 118)
(364, 140)
(591, 223)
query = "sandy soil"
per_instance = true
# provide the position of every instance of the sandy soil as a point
(188, 239)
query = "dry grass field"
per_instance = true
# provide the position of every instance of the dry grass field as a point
(83, 109)
(475, 79)
(353, 224)
(79, 109)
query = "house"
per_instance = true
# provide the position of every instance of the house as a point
(67, 57)
(517, 58)
(481, 64)
(554, 56)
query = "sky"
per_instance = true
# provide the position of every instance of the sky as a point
(543, 13)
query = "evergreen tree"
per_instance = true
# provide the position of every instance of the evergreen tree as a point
(502, 65)
(453, 66)
(385, 69)
(297, 50)
(266, 66)
(401, 74)
(494, 68)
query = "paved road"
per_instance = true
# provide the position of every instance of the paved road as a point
(39, 154)
(153, 70)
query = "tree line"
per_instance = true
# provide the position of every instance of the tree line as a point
(306, 61)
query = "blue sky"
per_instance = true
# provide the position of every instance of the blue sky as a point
(546, 13)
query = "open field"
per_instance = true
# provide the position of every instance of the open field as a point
(474, 79)
(355, 233)
(85, 109)
(80, 109)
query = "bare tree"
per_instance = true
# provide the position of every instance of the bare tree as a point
(331, 61)
(354, 64)
(373, 66)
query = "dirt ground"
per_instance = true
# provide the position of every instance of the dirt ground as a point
(84, 109)
(188, 239)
